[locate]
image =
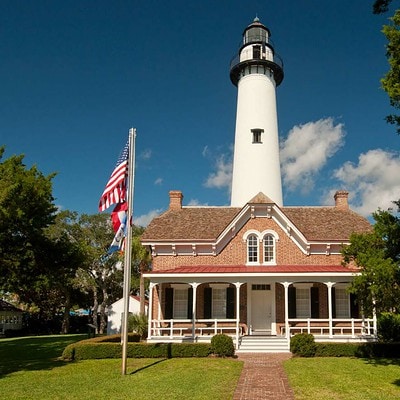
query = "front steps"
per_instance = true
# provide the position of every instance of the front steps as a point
(263, 344)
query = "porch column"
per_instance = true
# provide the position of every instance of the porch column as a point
(194, 305)
(286, 286)
(374, 320)
(330, 308)
(150, 317)
(238, 285)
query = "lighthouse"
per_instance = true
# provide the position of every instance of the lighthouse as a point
(256, 71)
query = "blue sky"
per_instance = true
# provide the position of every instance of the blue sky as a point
(76, 75)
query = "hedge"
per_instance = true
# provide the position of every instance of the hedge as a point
(336, 349)
(97, 349)
(360, 350)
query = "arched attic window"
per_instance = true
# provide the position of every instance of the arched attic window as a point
(252, 248)
(269, 246)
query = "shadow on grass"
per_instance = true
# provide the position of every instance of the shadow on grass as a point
(33, 353)
(382, 361)
(148, 366)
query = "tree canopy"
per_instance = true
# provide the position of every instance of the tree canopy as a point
(26, 210)
(391, 81)
(378, 255)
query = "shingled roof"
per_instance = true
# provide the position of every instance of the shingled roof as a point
(5, 306)
(206, 223)
(326, 223)
(190, 223)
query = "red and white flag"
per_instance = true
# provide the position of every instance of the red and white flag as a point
(115, 191)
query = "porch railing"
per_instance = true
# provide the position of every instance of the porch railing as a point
(188, 327)
(339, 327)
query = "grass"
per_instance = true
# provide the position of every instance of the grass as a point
(30, 369)
(344, 378)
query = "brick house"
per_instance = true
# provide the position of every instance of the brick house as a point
(256, 270)
(260, 270)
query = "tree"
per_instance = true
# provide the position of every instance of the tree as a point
(26, 210)
(65, 254)
(101, 275)
(378, 255)
(142, 261)
(391, 81)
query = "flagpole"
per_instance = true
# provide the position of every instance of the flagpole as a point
(128, 246)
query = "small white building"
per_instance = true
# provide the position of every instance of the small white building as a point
(116, 310)
(10, 317)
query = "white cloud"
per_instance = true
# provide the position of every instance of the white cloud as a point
(146, 154)
(307, 149)
(205, 151)
(222, 178)
(195, 202)
(373, 183)
(158, 181)
(144, 220)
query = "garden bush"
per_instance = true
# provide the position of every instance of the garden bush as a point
(336, 349)
(303, 345)
(138, 323)
(378, 350)
(389, 327)
(98, 349)
(222, 345)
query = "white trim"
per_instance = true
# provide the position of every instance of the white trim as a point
(226, 275)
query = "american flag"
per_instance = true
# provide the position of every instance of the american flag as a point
(115, 191)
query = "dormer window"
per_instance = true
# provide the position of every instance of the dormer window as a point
(257, 135)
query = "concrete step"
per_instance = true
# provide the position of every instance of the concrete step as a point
(263, 344)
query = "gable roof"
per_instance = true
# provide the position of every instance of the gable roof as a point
(207, 223)
(326, 223)
(190, 223)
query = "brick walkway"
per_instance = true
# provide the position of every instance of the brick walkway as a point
(263, 377)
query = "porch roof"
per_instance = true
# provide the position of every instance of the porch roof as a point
(254, 270)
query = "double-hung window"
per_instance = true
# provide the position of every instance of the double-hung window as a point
(252, 248)
(269, 248)
(180, 303)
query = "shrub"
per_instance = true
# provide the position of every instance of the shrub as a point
(116, 338)
(389, 327)
(222, 345)
(95, 349)
(303, 345)
(377, 349)
(336, 349)
(138, 323)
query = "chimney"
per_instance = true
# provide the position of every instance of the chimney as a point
(175, 200)
(341, 199)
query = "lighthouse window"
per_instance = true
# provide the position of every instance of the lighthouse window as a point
(257, 52)
(257, 135)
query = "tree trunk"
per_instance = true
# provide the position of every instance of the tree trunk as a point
(103, 316)
(66, 319)
(94, 309)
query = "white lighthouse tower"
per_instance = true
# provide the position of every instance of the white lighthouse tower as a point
(256, 71)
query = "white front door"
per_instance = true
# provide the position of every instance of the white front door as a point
(261, 309)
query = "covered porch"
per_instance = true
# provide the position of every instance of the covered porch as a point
(193, 306)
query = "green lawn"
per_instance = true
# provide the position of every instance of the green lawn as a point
(29, 369)
(344, 378)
